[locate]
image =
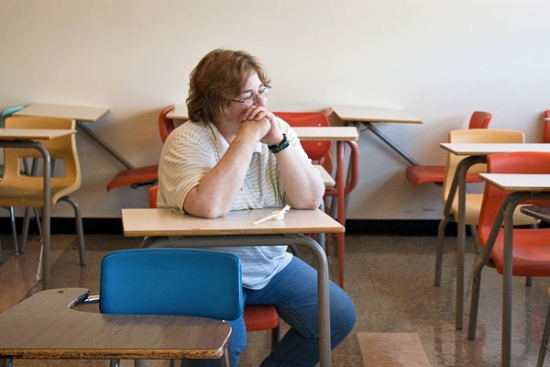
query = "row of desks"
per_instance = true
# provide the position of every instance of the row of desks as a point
(338, 133)
(538, 185)
(342, 115)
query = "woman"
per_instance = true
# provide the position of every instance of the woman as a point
(234, 155)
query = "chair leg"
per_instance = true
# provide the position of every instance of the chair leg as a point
(26, 225)
(14, 230)
(474, 302)
(439, 251)
(275, 336)
(545, 337)
(224, 361)
(322, 237)
(140, 363)
(114, 363)
(477, 246)
(79, 228)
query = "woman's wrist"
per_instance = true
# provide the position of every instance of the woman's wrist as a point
(279, 147)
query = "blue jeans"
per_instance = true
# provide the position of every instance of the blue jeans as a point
(294, 293)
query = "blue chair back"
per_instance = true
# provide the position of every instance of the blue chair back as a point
(8, 112)
(171, 281)
(3, 115)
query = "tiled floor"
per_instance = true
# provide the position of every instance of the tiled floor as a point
(390, 279)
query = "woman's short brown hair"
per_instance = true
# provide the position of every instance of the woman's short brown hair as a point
(218, 77)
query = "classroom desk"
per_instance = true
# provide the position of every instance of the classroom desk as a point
(30, 138)
(368, 116)
(45, 326)
(80, 115)
(236, 229)
(341, 135)
(477, 153)
(525, 187)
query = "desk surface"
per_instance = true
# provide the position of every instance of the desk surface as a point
(45, 327)
(345, 113)
(518, 182)
(335, 133)
(33, 134)
(367, 114)
(163, 222)
(489, 148)
(86, 114)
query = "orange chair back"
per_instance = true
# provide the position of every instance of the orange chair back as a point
(516, 162)
(166, 125)
(153, 192)
(480, 120)
(315, 150)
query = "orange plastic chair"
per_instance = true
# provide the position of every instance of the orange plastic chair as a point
(436, 174)
(256, 317)
(135, 177)
(320, 151)
(531, 245)
(166, 125)
(143, 176)
(546, 131)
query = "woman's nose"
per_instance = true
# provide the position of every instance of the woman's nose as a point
(261, 102)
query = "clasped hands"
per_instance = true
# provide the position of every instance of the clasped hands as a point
(263, 122)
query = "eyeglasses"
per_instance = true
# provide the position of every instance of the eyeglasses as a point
(249, 101)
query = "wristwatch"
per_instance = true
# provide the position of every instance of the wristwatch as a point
(282, 145)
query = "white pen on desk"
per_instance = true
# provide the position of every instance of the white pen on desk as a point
(277, 214)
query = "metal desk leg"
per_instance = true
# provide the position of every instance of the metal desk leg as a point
(461, 171)
(341, 205)
(46, 230)
(29, 144)
(105, 146)
(391, 144)
(270, 240)
(510, 203)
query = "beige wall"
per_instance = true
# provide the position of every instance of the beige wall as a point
(440, 60)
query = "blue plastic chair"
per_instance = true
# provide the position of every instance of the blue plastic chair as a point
(171, 281)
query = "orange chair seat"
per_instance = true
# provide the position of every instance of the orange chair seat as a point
(260, 317)
(531, 253)
(135, 177)
(435, 174)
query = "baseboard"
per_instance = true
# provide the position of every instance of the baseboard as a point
(395, 227)
(67, 225)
